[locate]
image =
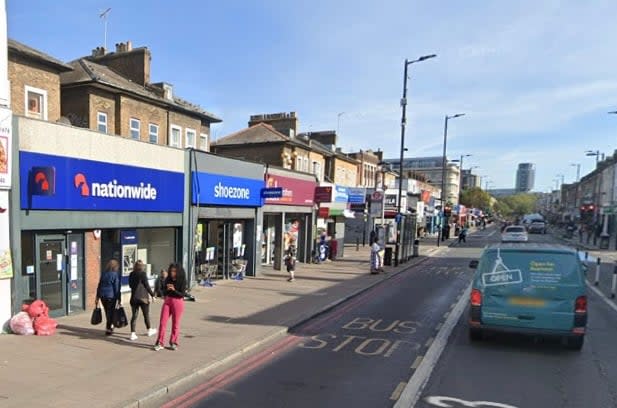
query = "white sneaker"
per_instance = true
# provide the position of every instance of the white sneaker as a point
(151, 332)
(133, 336)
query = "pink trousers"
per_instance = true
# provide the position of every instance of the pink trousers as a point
(173, 307)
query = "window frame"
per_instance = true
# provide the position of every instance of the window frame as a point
(186, 138)
(131, 129)
(202, 137)
(44, 108)
(171, 132)
(150, 133)
(99, 123)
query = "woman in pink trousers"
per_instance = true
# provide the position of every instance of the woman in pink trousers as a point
(174, 290)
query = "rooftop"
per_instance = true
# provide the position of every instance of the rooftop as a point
(28, 52)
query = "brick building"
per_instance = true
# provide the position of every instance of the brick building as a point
(111, 92)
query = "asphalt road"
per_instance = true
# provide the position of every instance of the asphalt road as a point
(519, 372)
(360, 354)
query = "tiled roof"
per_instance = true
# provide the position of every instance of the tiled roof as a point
(259, 133)
(29, 52)
(85, 71)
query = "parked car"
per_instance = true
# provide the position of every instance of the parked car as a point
(530, 289)
(514, 233)
(538, 227)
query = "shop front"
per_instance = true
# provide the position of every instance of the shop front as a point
(77, 214)
(333, 201)
(225, 216)
(288, 219)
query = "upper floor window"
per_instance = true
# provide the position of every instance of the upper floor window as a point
(36, 103)
(175, 133)
(135, 126)
(299, 163)
(317, 169)
(191, 135)
(305, 165)
(203, 142)
(101, 122)
(153, 133)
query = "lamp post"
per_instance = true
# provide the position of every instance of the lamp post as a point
(338, 123)
(403, 124)
(443, 171)
(562, 178)
(578, 171)
(592, 153)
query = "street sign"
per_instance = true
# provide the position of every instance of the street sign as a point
(272, 192)
(377, 196)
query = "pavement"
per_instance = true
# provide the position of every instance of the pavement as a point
(79, 365)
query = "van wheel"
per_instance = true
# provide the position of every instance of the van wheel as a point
(575, 343)
(476, 335)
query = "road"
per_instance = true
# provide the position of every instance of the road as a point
(508, 372)
(364, 352)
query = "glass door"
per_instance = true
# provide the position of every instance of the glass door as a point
(75, 272)
(51, 273)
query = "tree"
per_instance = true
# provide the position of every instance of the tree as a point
(475, 197)
(520, 204)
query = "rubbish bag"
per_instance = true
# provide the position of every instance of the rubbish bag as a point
(21, 324)
(36, 309)
(120, 320)
(45, 326)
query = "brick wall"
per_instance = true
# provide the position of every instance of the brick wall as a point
(22, 73)
(267, 154)
(349, 176)
(105, 102)
(75, 106)
(146, 114)
(93, 266)
(184, 122)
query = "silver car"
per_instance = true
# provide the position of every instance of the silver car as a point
(514, 233)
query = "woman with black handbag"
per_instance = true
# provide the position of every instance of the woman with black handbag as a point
(140, 298)
(108, 292)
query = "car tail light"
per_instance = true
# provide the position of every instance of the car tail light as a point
(580, 306)
(476, 297)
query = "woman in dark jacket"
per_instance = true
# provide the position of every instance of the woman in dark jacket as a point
(175, 289)
(159, 285)
(140, 298)
(108, 292)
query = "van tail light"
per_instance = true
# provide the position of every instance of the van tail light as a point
(476, 298)
(580, 306)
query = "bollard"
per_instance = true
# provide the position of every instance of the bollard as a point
(357, 244)
(614, 281)
(598, 271)
(586, 256)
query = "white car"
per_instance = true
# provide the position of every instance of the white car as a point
(514, 233)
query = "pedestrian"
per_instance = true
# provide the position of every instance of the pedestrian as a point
(108, 292)
(173, 306)
(159, 284)
(141, 292)
(376, 265)
(290, 261)
(462, 236)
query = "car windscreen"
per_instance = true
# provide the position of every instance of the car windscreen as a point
(515, 229)
(535, 268)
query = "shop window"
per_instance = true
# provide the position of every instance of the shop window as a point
(174, 136)
(101, 122)
(36, 103)
(153, 133)
(135, 126)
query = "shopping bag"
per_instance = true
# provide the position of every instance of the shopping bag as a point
(120, 320)
(97, 316)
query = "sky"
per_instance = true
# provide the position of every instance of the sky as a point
(535, 78)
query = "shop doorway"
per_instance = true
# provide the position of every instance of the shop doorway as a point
(50, 272)
(224, 252)
(60, 272)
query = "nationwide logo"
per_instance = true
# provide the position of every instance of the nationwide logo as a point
(43, 181)
(112, 189)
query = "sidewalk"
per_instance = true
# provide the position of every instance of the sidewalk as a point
(79, 365)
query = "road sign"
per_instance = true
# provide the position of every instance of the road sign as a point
(377, 196)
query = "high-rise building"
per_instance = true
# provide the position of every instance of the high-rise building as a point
(469, 179)
(525, 177)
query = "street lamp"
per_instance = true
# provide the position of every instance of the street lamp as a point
(593, 153)
(443, 168)
(578, 171)
(338, 123)
(403, 124)
(562, 177)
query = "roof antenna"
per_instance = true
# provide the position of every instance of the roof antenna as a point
(103, 15)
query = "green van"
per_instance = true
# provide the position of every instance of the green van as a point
(531, 289)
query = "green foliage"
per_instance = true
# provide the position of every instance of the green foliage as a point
(475, 197)
(517, 204)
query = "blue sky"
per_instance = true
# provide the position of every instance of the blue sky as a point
(535, 78)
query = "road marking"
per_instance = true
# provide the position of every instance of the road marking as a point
(418, 380)
(416, 362)
(452, 305)
(602, 296)
(429, 342)
(443, 402)
(491, 234)
(397, 391)
(445, 315)
(438, 327)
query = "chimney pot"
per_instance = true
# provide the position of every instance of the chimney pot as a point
(129, 46)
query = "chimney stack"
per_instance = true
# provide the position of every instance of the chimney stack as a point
(98, 52)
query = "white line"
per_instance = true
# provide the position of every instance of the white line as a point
(397, 391)
(416, 362)
(418, 380)
(429, 342)
(491, 234)
(602, 296)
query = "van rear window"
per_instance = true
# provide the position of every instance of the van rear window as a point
(541, 269)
